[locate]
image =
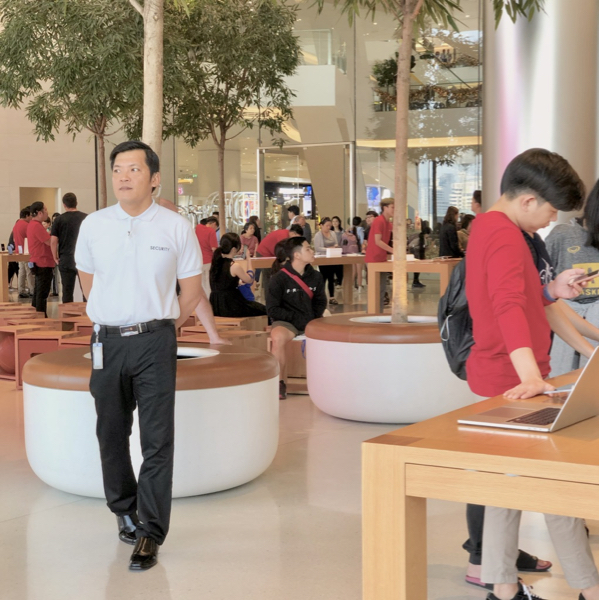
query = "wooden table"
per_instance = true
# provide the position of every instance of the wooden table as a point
(7, 258)
(443, 267)
(348, 272)
(556, 473)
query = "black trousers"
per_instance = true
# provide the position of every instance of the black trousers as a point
(13, 269)
(139, 372)
(69, 277)
(43, 283)
(328, 274)
(475, 517)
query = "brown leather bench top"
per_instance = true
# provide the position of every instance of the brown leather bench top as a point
(234, 365)
(342, 329)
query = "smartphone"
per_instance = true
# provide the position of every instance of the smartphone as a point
(585, 277)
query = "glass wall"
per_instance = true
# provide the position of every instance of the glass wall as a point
(339, 152)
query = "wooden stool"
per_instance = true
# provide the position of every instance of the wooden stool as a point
(8, 353)
(249, 339)
(34, 343)
(72, 309)
(7, 315)
(75, 342)
(247, 323)
(70, 323)
(36, 322)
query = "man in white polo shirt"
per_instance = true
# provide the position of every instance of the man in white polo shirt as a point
(130, 257)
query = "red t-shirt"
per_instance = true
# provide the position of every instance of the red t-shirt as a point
(39, 252)
(19, 233)
(506, 302)
(267, 245)
(373, 252)
(207, 238)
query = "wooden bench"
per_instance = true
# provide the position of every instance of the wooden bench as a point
(8, 353)
(37, 342)
(249, 339)
(247, 323)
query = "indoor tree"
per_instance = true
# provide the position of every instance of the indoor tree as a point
(229, 73)
(76, 64)
(412, 15)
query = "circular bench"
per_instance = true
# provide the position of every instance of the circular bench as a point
(367, 369)
(226, 419)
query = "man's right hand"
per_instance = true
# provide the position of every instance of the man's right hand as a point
(528, 389)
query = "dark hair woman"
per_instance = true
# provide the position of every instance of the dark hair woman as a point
(448, 236)
(324, 239)
(225, 274)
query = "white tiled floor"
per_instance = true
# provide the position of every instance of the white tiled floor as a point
(292, 534)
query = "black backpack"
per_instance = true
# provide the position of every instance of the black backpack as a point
(455, 322)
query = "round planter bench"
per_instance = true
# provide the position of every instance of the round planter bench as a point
(366, 369)
(226, 420)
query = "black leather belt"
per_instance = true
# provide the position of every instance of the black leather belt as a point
(137, 328)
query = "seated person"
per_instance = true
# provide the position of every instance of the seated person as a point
(225, 297)
(294, 297)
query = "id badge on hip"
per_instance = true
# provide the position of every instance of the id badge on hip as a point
(97, 353)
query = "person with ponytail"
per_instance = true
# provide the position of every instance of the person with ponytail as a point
(295, 296)
(225, 274)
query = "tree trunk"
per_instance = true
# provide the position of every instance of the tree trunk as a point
(102, 170)
(222, 209)
(399, 308)
(434, 188)
(153, 73)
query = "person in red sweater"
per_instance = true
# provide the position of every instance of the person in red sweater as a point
(267, 247)
(512, 339)
(206, 234)
(379, 237)
(40, 255)
(19, 233)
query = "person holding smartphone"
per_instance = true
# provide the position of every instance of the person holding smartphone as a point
(576, 245)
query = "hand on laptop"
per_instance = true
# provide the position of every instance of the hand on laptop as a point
(528, 389)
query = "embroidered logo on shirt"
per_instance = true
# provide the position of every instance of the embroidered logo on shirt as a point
(160, 248)
(573, 249)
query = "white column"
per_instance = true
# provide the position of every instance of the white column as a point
(540, 89)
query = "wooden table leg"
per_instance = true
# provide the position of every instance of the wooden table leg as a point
(393, 528)
(374, 290)
(444, 279)
(4, 280)
(348, 284)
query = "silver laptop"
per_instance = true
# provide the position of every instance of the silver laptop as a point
(564, 407)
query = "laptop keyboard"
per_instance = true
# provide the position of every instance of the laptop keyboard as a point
(544, 416)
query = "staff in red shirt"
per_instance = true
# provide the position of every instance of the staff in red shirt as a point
(378, 241)
(41, 256)
(19, 234)
(206, 234)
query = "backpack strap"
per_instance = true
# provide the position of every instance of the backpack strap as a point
(299, 282)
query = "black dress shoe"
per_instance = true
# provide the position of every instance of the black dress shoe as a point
(145, 554)
(127, 526)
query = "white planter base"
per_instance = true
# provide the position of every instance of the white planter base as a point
(224, 437)
(383, 383)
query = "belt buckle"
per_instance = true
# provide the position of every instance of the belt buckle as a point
(127, 330)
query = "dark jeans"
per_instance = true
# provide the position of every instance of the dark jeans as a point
(139, 372)
(328, 274)
(475, 517)
(69, 277)
(43, 283)
(339, 274)
(13, 269)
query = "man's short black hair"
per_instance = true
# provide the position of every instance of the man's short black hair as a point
(216, 213)
(36, 207)
(152, 159)
(293, 245)
(297, 229)
(293, 209)
(203, 221)
(70, 200)
(25, 212)
(211, 220)
(547, 175)
(477, 196)
(372, 213)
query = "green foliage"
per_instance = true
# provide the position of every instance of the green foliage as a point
(227, 68)
(516, 8)
(440, 11)
(77, 63)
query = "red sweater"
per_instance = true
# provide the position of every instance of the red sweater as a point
(505, 298)
(267, 245)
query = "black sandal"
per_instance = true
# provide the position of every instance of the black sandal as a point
(527, 563)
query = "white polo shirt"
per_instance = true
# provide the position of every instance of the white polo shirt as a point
(136, 262)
